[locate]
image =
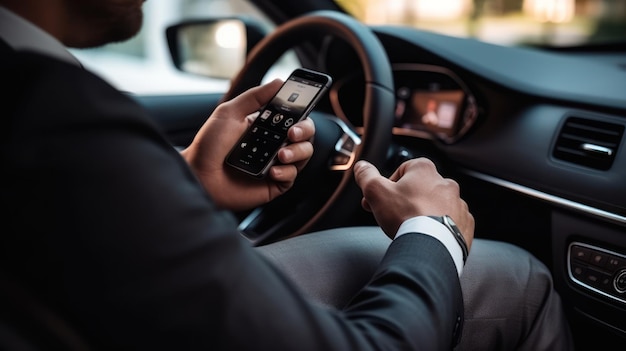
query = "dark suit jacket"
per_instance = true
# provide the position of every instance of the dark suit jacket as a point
(106, 224)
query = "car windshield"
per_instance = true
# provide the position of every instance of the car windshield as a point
(143, 66)
(555, 23)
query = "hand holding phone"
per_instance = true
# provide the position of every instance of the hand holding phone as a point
(256, 150)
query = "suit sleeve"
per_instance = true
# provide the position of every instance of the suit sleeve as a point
(116, 234)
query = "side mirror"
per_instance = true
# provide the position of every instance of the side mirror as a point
(215, 48)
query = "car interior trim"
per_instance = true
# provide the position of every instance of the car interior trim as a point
(615, 280)
(345, 148)
(597, 149)
(576, 206)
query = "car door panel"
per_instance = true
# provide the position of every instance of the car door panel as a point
(180, 116)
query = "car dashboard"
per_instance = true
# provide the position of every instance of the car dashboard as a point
(535, 138)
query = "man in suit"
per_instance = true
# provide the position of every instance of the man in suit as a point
(132, 243)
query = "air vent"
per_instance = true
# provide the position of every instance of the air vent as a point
(589, 143)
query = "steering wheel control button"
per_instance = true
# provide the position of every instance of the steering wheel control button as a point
(598, 269)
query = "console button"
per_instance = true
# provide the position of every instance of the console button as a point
(597, 279)
(591, 277)
(580, 253)
(619, 283)
(597, 258)
(599, 270)
(578, 270)
(613, 263)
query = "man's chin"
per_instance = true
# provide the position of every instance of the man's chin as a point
(116, 33)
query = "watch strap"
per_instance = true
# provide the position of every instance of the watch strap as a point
(449, 223)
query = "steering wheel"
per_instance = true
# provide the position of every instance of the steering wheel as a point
(337, 146)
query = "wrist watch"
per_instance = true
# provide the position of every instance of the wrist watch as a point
(449, 223)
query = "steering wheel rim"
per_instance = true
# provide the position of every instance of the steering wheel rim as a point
(379, 100)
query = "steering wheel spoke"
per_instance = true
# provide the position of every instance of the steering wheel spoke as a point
(345, 148)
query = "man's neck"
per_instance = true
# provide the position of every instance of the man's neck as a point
(23, 35)
(45, 15)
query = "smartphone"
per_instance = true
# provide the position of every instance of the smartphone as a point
(256, 150)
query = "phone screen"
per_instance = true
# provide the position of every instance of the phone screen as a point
(256, 150)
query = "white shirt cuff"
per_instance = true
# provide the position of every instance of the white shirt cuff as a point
(429, 226)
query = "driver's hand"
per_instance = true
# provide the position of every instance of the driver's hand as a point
(229, 188)
(414, 189)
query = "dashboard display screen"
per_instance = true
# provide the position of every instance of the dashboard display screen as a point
(431, 101)
(434, 111)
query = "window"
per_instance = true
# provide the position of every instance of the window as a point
(143, 65)
(507, 22)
